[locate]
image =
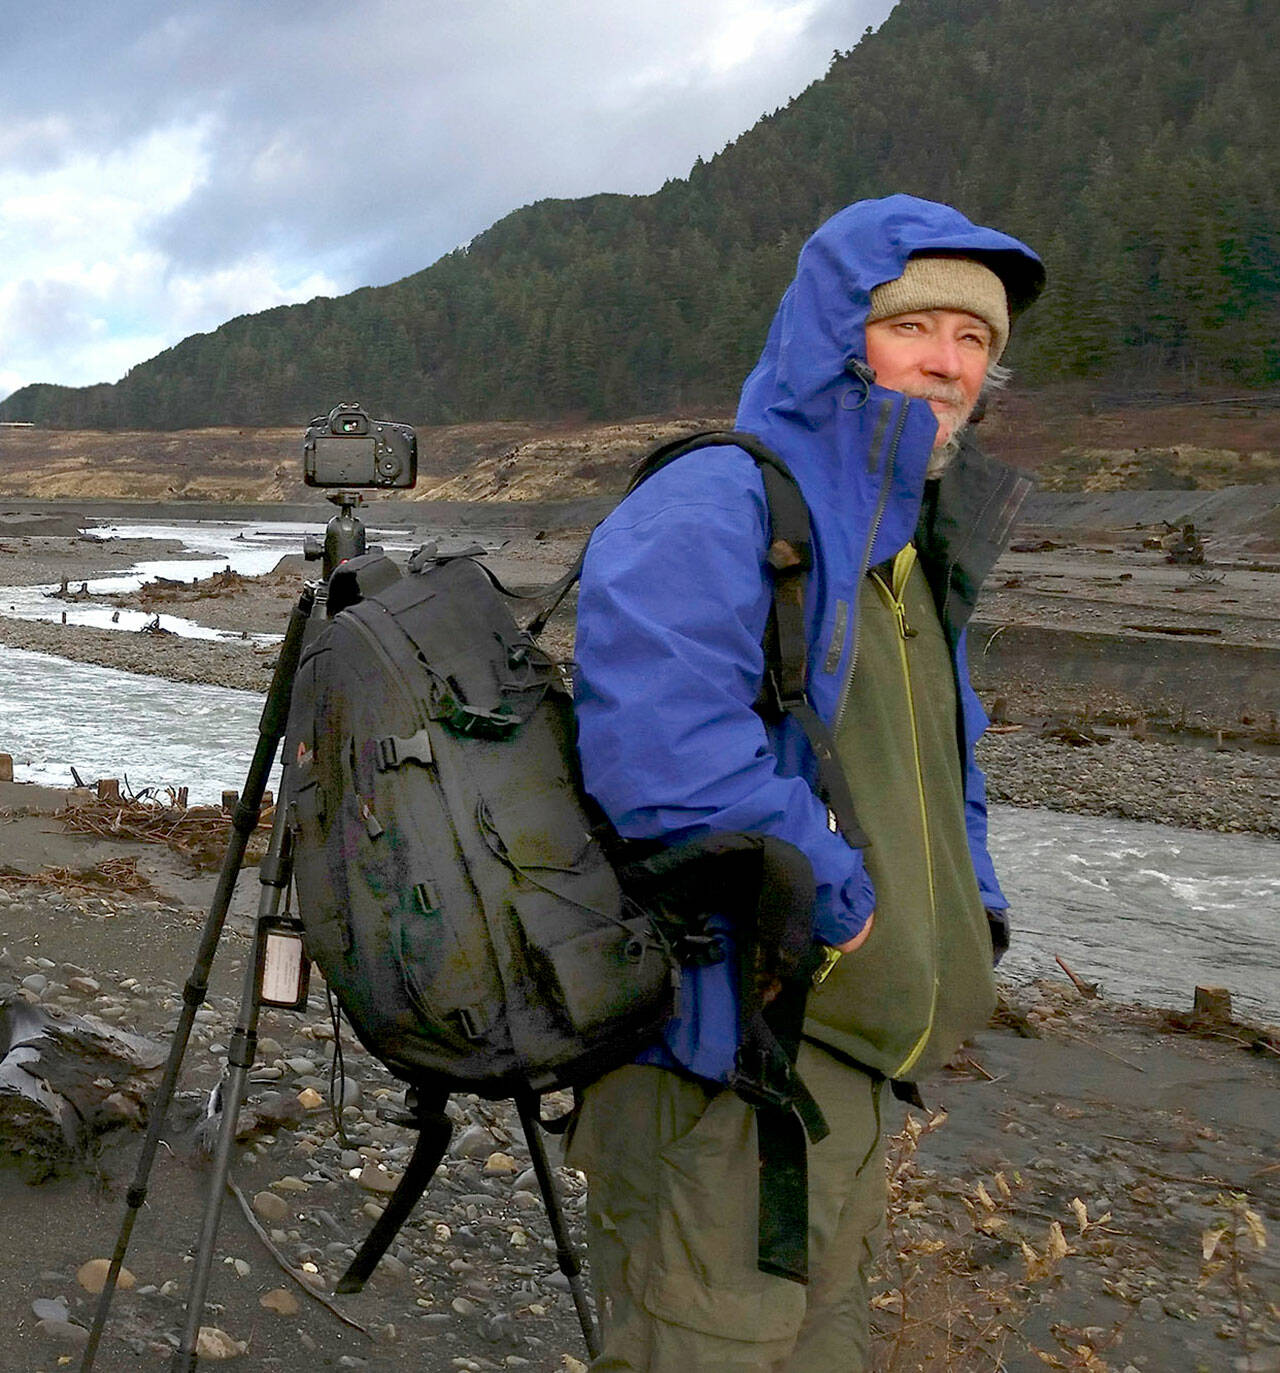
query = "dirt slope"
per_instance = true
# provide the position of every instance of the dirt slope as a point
(1074, 438)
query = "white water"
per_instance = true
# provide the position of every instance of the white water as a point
(56, 715)
(1146, 910)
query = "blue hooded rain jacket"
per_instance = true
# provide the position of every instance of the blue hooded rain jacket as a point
(675, 592)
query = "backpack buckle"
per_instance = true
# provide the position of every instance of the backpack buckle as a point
(393, 751)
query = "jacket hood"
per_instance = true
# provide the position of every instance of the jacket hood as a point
(805, 370)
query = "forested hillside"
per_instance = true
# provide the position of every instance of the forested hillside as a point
(1133, 144)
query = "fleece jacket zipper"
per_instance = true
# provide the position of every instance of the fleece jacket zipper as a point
(894, 598)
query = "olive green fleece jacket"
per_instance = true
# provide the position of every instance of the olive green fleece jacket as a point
(922, 982)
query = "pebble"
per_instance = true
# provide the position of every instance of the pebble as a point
(65, 1332)
(270, 1207)
(92, 1276)
(474, 1142)
(212, 1343)
(375, 1179)
(281, 1301)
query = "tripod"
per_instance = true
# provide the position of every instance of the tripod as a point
(275, 975)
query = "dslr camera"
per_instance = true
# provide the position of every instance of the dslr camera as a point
(347, 448)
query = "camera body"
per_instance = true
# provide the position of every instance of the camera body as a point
(347, 448)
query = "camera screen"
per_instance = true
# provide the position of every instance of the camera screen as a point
(345, 460)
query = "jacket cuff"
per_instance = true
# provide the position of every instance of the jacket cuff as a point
(840, 919)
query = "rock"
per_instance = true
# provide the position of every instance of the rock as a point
(270, 1207)
(390, 1271)
(92, 1276)
(349, 1092)
(46, 1310)
(65, 1332)
(291, 1184)
(281, 1301)
(213, 1343)
(309, 1099)
(474, 1142)
(499, 1163)
(375, 1179)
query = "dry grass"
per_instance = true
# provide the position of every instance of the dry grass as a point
(955, 1291)
(955, 1296)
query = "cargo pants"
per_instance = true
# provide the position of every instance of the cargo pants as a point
(672, 1171)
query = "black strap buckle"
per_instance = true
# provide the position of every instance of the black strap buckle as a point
(392, 751)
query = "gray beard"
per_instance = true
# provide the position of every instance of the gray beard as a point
(940, 458)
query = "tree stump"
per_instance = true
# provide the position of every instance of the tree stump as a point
(1214, 1003)
(65, 1080)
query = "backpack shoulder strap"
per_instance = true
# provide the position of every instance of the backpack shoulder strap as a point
(790, 557)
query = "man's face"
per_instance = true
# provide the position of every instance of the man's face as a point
(938, 355)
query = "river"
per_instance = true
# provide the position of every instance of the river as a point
(1146, 910)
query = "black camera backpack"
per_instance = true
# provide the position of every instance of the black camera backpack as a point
(479, 925)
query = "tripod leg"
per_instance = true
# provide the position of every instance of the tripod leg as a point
(244, 822)
(566, 1256)
(274, 873)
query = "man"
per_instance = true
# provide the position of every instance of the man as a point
(881, 346)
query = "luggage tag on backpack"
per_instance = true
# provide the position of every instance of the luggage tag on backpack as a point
(284, 970)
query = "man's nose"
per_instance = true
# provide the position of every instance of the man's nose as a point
(942, 358)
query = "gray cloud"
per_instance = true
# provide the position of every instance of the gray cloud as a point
(361, 142)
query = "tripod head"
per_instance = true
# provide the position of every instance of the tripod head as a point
(344, 535)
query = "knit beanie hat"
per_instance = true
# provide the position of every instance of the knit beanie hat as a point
(947, 283)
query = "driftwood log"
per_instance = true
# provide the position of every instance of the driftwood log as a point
(64, 1081)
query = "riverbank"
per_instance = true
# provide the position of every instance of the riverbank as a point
(1090, 1155)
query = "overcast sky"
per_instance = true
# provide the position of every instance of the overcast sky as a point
(166, 165)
